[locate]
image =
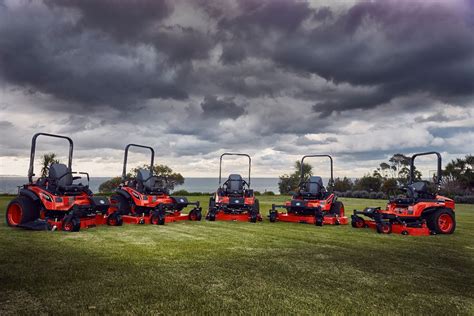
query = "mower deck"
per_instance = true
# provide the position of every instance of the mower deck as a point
(245, 217)
(306, 219)
(146, 219)
(86, 222)
(402, 229)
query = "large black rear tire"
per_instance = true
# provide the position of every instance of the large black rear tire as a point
(442, 221)
(122, 204)
(21, 210)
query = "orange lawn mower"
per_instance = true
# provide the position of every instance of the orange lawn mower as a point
(145, 199)
(419, 212)
(56, 202)
(234, 200)
(312, 203)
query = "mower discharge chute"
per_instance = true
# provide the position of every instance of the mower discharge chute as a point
(234, 199)
(419, 212)
(56, 202)
(312, 204)
(145, 198)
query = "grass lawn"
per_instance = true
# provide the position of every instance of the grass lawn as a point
(236, 267)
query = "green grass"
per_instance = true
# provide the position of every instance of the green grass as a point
(236, 267)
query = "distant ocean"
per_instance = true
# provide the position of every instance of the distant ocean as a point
(10, 184)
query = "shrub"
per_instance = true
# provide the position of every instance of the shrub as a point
(268, 193)
(257, 193)
(380, 195)
(373, 195)
(181, 192)
(348, 194)
(361, 194)
(466, 199)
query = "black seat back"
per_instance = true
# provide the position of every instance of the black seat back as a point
(143, 176)
(314, 185)
(235, 184)
(60, 175)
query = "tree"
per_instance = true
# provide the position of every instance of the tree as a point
(46, 162)
(173, 178)
(368, 183)
(389, 185)
(458, 175)
(290, 182)
(110, 185)
(343, 185)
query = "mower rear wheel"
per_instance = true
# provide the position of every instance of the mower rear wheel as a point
(21, 210)
(442, 221)
(114, 219)
(122, 204)
(71, 223)
(384, 228)
(358, 222)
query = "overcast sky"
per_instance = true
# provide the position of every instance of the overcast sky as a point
(275, 79)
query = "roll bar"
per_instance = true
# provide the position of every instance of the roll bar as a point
(233, 154)
(33, 151)
(412, 165)
(309, 156)
(125, 157)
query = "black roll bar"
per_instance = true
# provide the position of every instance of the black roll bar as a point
(124, 172)
(412, 165)
(233, 154)
(33, 151)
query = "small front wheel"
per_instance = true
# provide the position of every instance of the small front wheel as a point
(273, 216)
(71, 223)
(114, 219)
(384, 228)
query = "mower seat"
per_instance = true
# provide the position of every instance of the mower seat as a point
(313, 188)
(148, 184)
(60, 179)
(419, 190)
(235, 184)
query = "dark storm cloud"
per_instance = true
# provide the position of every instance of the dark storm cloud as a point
(229, 71)
(122, 19)
(214, 107)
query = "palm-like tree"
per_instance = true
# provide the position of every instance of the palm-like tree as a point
(46, 161)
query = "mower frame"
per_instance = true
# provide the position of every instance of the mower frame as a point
(135, 207)
(38, 205)
(411, 216)
(244, 208)
(311, 211)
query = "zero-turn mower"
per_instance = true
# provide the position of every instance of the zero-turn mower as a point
(312, 203)
(145, 199)
(418, 212)
(234, 199)
(56, 202)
